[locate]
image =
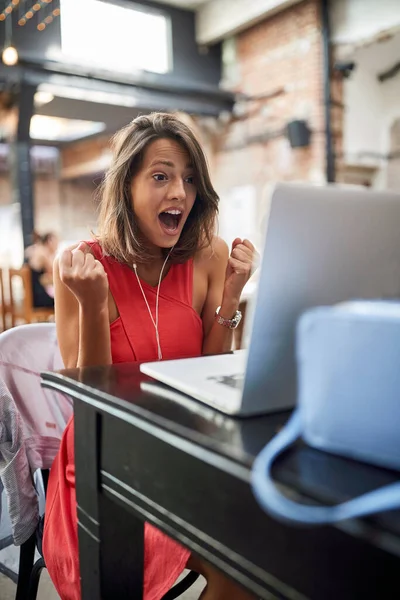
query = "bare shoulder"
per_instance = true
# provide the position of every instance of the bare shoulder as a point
(214, 255)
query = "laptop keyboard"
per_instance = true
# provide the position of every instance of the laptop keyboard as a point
(232, 381)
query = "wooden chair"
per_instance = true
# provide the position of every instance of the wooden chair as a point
(3, 307)
(26, 311)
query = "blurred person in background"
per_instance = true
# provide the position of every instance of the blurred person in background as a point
(40, 258)
(146, 289)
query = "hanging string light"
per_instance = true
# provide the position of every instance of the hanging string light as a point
(10, 54)
(8, 9)
(50, 17)
(32, 11)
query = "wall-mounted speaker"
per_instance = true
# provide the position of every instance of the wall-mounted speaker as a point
(298, 134)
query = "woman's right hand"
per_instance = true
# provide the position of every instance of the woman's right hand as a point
(84, 276)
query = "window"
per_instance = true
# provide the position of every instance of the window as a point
(115, 37)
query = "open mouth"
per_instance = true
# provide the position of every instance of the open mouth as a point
(170, 219)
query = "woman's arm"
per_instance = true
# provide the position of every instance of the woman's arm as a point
(81, 309)
(227, 275)
(217, 339)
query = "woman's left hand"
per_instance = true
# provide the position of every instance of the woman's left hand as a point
(241, 265)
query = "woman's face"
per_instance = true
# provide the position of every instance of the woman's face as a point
(163, 192)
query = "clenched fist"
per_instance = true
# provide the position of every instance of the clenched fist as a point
(240, 265)
(84, 276)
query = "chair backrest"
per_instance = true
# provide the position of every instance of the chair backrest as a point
(26, 351)
(28, 312)
(32, 418)
(18, 493)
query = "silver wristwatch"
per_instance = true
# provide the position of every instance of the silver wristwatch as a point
(230, 323)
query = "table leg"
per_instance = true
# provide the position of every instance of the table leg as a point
(111, 539)
(121, 551)
(87, 424)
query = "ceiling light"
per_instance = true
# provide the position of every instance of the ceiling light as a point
(10, 56)
(42, 98)
(62, 130)
(98, 96)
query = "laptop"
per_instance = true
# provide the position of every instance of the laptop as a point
(323, 245)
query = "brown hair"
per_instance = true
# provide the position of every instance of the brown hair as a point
(47, 237)
(118, 232)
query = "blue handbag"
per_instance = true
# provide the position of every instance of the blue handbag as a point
(348, 360)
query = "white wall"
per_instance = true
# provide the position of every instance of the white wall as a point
(363, 122)
(358, 21)
(391, 106)
(219, 19)
(371, 106)
(371, 110)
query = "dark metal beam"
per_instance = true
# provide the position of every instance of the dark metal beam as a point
(196, 99)
(21, 162)
(326, 42)
(146, 81)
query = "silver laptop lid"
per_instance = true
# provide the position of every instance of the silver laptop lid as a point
(323, 245)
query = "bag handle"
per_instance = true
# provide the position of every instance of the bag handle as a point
(277, 505)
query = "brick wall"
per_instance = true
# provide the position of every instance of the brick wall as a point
(78, 209)
(47, 201)
(68, 207)
(280, 57)
(85, 158)
(47, 205)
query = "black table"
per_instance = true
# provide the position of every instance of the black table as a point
(143, 452)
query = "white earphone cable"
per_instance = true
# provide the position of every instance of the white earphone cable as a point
(155, 322)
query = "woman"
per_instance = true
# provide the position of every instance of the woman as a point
(147, 288)
(40, 257)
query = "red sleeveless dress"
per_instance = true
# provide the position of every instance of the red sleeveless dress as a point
(132, 339)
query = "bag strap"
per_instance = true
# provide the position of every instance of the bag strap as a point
(277, 505)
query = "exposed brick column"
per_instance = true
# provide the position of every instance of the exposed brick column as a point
(280, 57)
